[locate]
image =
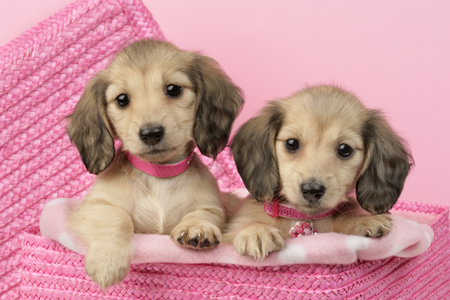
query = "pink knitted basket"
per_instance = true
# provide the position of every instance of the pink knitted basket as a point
(42, 76)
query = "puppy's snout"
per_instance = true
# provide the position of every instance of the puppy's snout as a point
(151, 134)
(312, 191)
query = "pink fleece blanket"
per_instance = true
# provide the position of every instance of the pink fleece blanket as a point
(411, 236)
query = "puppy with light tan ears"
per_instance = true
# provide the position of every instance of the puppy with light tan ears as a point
(301, 158)
(160, 102)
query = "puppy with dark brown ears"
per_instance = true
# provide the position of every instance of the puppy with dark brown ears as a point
(301, 158)
(159, 102)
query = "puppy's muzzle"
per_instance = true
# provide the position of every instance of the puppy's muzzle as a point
(312, 191)
(151, 134)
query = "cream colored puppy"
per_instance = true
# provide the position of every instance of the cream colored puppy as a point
(309, 152)
(159, 102)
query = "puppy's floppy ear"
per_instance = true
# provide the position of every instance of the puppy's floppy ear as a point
(387, 164)
(218, 105)
(253, 148)
(89, 128)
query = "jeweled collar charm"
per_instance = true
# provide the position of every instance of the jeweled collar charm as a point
(302, 228)
(157, 170)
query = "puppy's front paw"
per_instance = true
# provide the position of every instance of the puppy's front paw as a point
(202, 235)
(258, 240)
(373, 226)
(108, 264)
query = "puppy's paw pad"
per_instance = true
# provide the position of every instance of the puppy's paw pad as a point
(202, 236)
(258, 241)
(194, 242)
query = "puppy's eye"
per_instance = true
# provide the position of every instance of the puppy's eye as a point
(174, 90)
(122, 100)
(345, 151)
(292, 145)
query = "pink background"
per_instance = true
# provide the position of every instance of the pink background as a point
(395, 55)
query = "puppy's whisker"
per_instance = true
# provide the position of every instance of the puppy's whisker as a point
(167, 114)
(129, 120)
(292, 168)
(282, 198)
(287, 177)
(344, 210)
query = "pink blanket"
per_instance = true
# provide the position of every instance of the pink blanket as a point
(411, 236)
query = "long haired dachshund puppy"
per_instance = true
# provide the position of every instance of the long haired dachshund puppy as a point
(159, 102)
(301, 158)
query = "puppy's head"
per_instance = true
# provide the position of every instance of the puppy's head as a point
(311, 149)
(158, 100)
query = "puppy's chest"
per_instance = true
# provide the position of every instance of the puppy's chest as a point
(159, 206)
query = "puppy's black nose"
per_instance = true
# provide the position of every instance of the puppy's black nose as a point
(312, 191)
(151, 135)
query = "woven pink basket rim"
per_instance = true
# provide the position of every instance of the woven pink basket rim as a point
(46, 28)
(441, 211)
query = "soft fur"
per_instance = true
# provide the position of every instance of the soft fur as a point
(321, 119)
(125, 200)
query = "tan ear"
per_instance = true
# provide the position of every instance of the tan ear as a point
(218, 105)
(387, 165)
(253, 149)
(89, 129)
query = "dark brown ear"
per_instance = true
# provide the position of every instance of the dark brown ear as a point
(89, 129)
(387, 164)
(253, 148)
(218, 105)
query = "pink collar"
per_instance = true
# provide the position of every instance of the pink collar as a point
(275, 209)
(156, 170)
